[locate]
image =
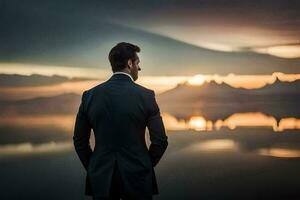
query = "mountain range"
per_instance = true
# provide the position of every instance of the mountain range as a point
(211, 100)
(218, 101)
(215, 92)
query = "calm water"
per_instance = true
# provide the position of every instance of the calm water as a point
(243, 156)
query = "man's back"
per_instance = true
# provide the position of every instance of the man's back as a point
(118, 111)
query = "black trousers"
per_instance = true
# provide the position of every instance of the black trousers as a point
(117, 188)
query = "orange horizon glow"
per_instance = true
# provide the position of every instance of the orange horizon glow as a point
(158, 83)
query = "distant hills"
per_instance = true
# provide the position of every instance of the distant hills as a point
(17, 80)
(212, 91)
(66, 103)
(210, 100)
(215, 101)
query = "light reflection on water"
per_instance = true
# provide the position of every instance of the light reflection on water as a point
(280, 152)
(223, 145)
(29, 148)
(213, 145)
(256, 119)
(196, 122)
(65, 122)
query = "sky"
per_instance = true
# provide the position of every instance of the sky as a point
(177, 38)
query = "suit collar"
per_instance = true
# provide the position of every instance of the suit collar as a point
(121, 76)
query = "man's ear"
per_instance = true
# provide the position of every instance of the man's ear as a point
(129, 62)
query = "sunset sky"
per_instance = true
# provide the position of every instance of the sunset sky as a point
(178, 38)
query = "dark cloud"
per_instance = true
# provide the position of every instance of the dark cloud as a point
(80, 33)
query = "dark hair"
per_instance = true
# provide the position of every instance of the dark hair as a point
(121, 53)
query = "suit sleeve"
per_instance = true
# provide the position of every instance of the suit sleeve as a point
(82, 132)
(158, 138)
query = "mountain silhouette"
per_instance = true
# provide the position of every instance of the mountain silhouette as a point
(218, 101)
(66, 103)
(211, 100)
(224, 92)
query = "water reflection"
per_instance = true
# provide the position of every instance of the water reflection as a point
(253, 119)
(280, 152)
(196, 122)
(39, 134)
(29, 148)
(289, 123)
(65, 122)
(214, 145)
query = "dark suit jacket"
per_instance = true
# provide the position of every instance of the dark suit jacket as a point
(118, 111)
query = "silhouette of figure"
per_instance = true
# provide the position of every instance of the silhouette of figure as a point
(119, 110)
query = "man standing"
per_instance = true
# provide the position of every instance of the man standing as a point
(118, 111)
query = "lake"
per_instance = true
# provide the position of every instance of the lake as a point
(244, 156)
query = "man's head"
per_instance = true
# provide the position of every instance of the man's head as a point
(123, 57)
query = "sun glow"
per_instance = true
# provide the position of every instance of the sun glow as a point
(197, 79)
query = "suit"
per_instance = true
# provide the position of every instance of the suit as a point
(119, 110)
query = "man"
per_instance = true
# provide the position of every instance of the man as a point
(118, 111)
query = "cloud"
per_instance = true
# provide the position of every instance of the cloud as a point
(179, 38)
(224, 23)
(282, 51)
